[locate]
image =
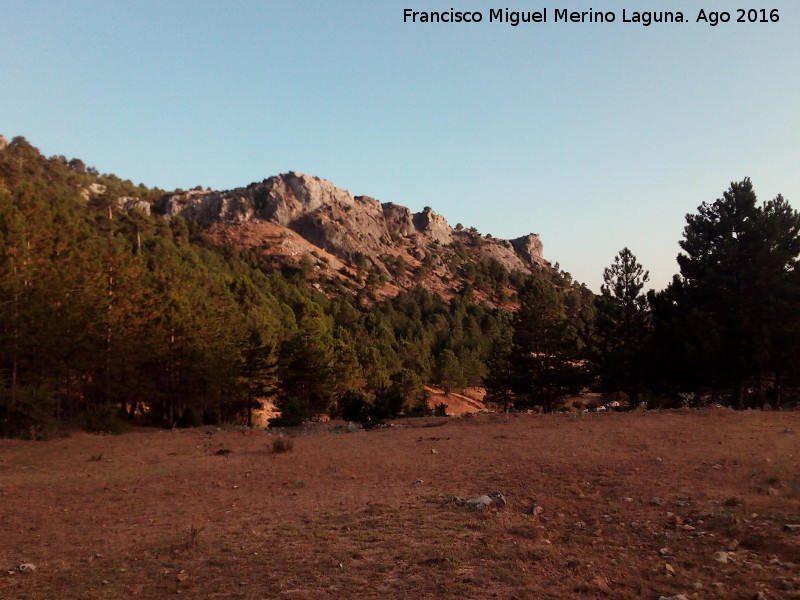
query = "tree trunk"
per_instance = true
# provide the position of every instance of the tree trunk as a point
(738, 394)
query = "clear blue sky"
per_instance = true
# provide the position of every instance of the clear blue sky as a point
(594, 135)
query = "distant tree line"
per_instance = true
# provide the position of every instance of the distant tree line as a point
(726, 329)
(108, 316)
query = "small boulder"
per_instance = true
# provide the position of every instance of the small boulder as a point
(721, 557)
(481, 503)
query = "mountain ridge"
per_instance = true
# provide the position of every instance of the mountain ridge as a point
(357, 232)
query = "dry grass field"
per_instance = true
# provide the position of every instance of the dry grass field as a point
(639, 505)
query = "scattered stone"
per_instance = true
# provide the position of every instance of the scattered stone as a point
(657, 502)
(788, 430)
(418, 482)
(26, 568)
(733, 546)
(481, 503)
(697, 585)
(433, 451)
(773, 492)
(676, 597)
(669, 569)
(791, 527)
(721, 557)
(664, 551)
(601, 583)
(223, 452)
(761, 596)
(628, 499)
(535, 509)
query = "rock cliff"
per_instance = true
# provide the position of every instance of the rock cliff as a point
(351, 228)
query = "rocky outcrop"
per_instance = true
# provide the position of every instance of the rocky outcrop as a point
(286, 198)
(129, 203)
(529, 247)
(94, 189)
(3, 142)
(344, 225)
(433, 226)
(206, 206)
(398, 218)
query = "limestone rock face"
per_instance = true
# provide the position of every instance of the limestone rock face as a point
(286, 198)
(3, 142)
(398, 218)
(530, 248)
(434, 226)
(129, 203)
(206, 206)
(503, 252)
(346, 226)
(94, 189)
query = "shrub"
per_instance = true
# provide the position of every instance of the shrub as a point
(103, 418)
(281, 444)
(29, 415)
(190, 418)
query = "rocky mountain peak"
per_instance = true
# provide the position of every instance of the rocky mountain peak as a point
(350, 228)
(433, 225)
(530, 248)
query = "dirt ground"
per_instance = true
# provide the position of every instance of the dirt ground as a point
(620, 505)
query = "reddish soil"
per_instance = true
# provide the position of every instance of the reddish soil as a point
(468, 401)
(632, 506)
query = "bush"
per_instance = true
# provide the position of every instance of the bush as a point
(280, 445)
(190, 418)
(293, 412)
(29, 415)
(103, 418)
(353, 406)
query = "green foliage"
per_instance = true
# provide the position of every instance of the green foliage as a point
(103, 418)
(105, 311)
(622, 327)
(731, 316)
(546, 358)
(27, 412)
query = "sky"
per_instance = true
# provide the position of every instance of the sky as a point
(597, 136)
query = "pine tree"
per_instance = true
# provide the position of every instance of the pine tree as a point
(622, 326)
(738, 258)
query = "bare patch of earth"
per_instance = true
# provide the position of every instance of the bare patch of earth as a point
(620, 505)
